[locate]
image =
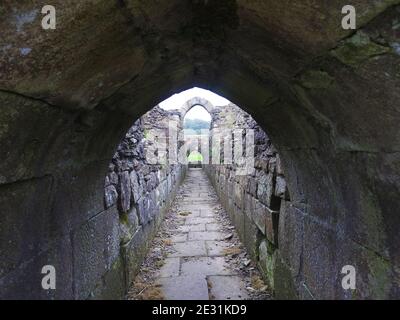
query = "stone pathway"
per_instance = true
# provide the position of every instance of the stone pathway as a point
(198, 255)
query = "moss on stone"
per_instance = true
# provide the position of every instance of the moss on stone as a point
(124, 219)
(379, 278)
(316, 79)
(285, 287)
(358, 49)
(113, 285)
(371, 220)
(267, 262)
(127, 230)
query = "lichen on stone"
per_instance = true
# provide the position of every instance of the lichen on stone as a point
(357, 49)
(316, 79)
(379, 276)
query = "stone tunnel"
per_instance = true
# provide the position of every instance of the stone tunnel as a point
(327, 97)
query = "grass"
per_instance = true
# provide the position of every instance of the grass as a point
(195, 156)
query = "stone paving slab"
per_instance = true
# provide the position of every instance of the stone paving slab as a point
(180, 237)
(189, 249)
(207, 214)
(187, 211)
(205, 266)
(207, 235)
(192, 228)
(227, 288)
(196, 220)
(195, 208)
(213, 227)
(171, 268)
(216, 248)
(185, 288)
(191, 214)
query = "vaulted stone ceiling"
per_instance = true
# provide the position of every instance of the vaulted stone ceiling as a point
(101, 47)
(328, 98)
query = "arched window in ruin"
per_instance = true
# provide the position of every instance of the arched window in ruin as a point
(196, 131)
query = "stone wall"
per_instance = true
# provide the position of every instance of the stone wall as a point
(254, 200)
(102, 230)
(141, 191)
(289, 245)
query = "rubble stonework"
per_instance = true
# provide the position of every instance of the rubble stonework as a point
(252, 200)
(142, 191)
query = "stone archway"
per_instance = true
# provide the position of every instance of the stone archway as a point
(62, 118)
(196, 101)
(189, 105)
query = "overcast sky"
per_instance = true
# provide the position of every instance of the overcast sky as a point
(178, 100)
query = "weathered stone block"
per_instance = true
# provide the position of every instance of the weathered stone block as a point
(266, 220)
(251, 237)
(374, 274)
(319, 267)
(291, 236)
(125, 192)
(135, 251)
(267, 262)
(239, 195)
(248, 205)
(25, 137)
(129, 223)
(284, 284)
(135, 187)
(25, 282)
(142, 211)
(26, 223)
(279, 166)
(78, 196)
(272, 163)
(113, 178)
(356, 50)
(113, 285)
(96, 248)
(238, 220)
(111, 196)
(259, 215)
(316, 79)
(252, 186)
(265, 188)
(281, 188)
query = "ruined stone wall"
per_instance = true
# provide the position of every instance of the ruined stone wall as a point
(254, 200)
(139, 189)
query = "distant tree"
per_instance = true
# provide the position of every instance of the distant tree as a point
(195, 156)
(196, 125)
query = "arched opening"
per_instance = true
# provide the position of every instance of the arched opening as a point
(196, 130)
(197, 119)
(229, 170)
